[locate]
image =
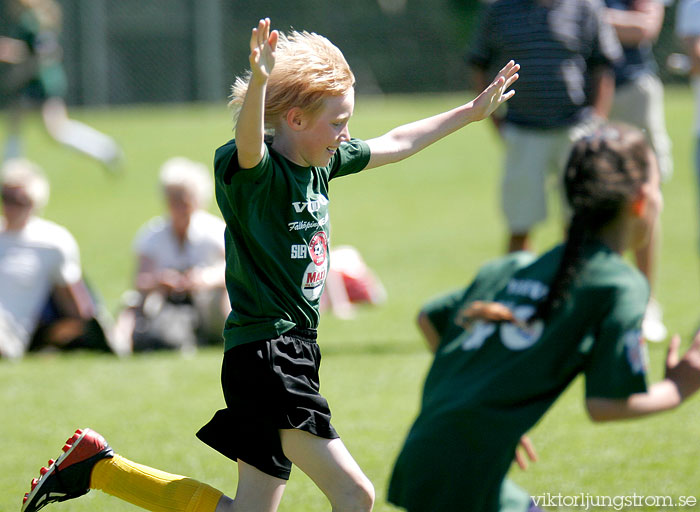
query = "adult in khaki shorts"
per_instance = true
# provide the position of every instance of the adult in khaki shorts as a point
(566, 50)
(534, 159)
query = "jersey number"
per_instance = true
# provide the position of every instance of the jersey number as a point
(512, 336)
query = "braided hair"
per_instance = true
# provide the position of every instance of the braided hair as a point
(604, 171)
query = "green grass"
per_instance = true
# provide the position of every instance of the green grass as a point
(424, 225)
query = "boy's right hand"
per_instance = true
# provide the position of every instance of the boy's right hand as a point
(262, 50)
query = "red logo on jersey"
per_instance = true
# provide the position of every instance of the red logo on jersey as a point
(318, 248)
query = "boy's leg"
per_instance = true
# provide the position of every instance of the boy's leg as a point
(329, 464)
(152, 489)
(256, 492)
(88, 462)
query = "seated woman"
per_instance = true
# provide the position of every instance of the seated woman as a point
(180, 297)
(39, 261)
(510, 343)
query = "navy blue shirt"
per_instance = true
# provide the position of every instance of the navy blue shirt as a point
(557, 46)
(638, 59)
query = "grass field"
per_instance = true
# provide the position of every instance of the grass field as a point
(424, 225)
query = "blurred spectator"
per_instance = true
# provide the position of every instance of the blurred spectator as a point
(639, 101)
(39, 265)
(180, 299)
(34, 74)
(566, 50)
(688, 30)
(350, 281)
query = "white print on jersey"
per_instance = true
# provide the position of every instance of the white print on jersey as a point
(516, 337)
(314, 278)
(531, 288)
(312, 205)
(512, 336)
(304, 224)
(315, 273)
(636, 351)
(299, 252)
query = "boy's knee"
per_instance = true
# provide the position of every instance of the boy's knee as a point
(359, 498)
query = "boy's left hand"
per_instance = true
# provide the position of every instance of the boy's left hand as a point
(495, 94)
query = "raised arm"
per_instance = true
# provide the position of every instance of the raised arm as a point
(250, 128)
(603, 90)
(640, 24)
(682, 380)
(408, 139)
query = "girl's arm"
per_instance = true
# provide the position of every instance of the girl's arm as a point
(408, 139)
(432, 338)
(250, 128)
(682, 380)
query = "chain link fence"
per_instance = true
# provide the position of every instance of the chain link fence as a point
(131, 51)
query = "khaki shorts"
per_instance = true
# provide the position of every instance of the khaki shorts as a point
(641, 104)
(533, 159)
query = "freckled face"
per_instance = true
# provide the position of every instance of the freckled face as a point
(327, 129)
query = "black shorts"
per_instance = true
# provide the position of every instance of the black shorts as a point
(269, 385)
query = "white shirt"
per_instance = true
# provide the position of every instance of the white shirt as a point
(204, 243)
(32, 262)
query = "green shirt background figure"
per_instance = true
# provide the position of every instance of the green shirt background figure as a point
(511, 342)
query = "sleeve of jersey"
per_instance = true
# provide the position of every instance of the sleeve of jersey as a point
(229, 176)
(226, 167)
(352, 157)
(441, 309)
(617, 366)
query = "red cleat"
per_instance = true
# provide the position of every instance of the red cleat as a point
(69, 476)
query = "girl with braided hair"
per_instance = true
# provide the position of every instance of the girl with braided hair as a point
(510, 343)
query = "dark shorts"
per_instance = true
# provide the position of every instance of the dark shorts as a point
(269, 385)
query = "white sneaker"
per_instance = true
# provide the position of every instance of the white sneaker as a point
(653, 328)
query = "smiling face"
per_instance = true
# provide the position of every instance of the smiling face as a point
(321, 134)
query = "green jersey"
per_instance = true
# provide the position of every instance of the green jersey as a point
(49, 79)
(490, 383)
(277, 238)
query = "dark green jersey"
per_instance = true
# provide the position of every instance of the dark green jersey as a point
(48, 79)
(490, 383)
(277, 238)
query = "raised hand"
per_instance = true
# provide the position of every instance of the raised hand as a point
(497, 92)
(262, 49)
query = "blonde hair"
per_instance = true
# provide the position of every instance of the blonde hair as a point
(308, 68)
(20, 172)
(189, 175)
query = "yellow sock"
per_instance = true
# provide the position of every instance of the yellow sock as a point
(152, 489)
